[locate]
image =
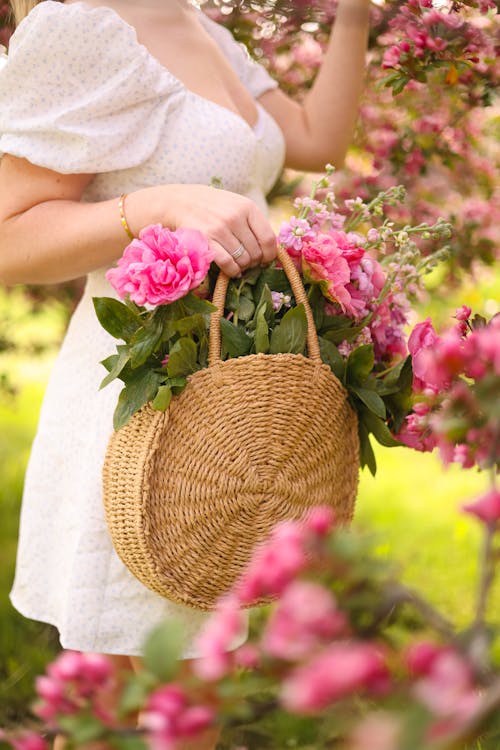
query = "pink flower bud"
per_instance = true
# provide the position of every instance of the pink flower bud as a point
(97, 668)
(68, 666)
(320, 520)
(486, 507)
(49, 689)
(247, 656)
(29, 741)
(463, 313)
(421, 656)
(194, 720)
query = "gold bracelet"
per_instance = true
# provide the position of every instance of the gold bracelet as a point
(122, 216)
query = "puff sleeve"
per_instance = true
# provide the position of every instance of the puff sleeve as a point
(79, 94)
(252, 74)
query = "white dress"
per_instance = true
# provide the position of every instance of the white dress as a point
(79, 94)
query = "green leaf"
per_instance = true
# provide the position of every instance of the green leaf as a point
(192, 324)
(116, 318)
(183, 358)
(143, 344)
(235, 341)
(115, 364)
(135, 692)
(366, 454)
(332, 357)
(402, 369)
(399, 85)
(360, 364)
(191, 304)
(371, 399)
(82, 728)
(245, 308)
(266, 303)
(291, 334)
(379, 428)
(337, 335)
(162, 650)
(251, 275)
(141, 386)
(162, 400)
(275, 278)
(261, 333)
(128, 742)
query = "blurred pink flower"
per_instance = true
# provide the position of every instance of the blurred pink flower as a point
(377, 731)
(305, 616)
(161, 266)
(168, 717)
(215, 639)
(274, 564)
(420, 657)
(28, 741)
(339, 670)
(422, 339)
(486, 507)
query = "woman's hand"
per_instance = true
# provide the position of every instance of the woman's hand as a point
(237, 230)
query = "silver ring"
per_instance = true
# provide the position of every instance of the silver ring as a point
(238, 252)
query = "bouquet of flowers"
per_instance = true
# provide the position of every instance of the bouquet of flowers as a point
(359, 273)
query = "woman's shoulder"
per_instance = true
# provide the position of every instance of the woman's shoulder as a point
(54, 25)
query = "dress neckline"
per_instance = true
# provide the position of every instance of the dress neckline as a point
(255, 129)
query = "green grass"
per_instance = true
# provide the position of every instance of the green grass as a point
(25, 645)
(413, 508)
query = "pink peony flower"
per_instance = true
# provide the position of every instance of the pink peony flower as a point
(323, 263)
(161, 266)
(486, 507)
(338, 671)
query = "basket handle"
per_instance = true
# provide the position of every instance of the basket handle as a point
(219, 298)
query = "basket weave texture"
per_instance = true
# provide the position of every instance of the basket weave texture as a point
(189, 493)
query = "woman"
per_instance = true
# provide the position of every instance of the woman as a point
(152, 99)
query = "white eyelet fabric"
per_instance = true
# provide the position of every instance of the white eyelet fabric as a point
(79, 94)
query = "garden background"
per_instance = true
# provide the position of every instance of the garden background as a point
(433, 127)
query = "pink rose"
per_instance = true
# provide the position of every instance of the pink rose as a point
(161, 266)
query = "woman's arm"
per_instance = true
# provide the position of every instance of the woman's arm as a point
(48, 236)
(318, 130)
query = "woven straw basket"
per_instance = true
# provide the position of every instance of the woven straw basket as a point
(251, 441)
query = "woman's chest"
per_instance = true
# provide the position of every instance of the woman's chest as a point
(201, 142)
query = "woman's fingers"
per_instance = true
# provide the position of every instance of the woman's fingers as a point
(224, 260)
(264, 234)
(252, 255)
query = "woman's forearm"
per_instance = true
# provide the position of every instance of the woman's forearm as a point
(331, 105)
(58, 240)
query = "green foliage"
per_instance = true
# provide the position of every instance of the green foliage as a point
(162, 650)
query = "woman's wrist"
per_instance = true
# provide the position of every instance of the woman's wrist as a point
(353, 12)
(160, 204)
